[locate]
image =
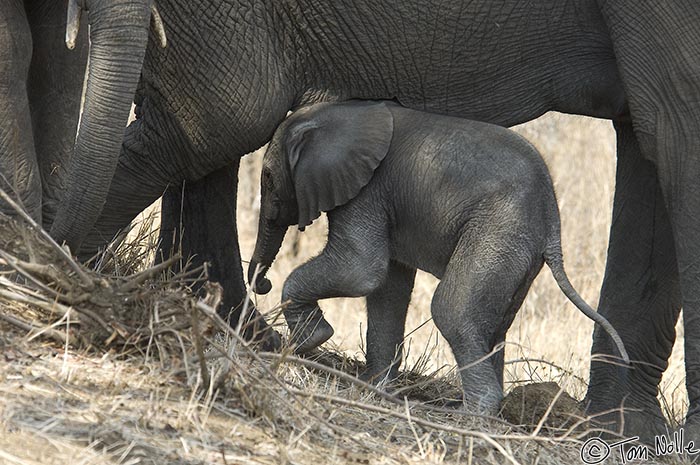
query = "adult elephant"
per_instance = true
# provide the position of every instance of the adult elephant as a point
(233, 69)
(41, 84)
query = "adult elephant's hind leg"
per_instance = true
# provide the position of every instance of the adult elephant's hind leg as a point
(640, 298)
(679, 182)
(657, 56)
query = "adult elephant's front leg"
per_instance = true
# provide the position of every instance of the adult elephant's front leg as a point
(205, 212)
(19, 172)
(640, 298)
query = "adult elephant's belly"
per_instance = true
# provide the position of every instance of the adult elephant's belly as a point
(514, 74)
(213, 109)
(584, 86)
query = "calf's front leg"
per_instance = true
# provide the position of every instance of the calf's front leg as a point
(386, 318)
(353, 264)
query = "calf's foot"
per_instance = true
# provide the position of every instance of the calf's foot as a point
(308, 328)
(484, 401)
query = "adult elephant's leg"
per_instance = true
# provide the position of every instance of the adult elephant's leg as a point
(656, 48)
(679, 171)
(679, 176)
(55, 87)
(19, 173)
(640, 297)
(198, 220)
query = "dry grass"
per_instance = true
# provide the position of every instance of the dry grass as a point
(128, 377)
(131, 388)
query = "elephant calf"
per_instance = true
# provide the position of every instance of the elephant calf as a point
(471, 203)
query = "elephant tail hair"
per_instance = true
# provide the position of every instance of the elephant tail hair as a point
(554, 259)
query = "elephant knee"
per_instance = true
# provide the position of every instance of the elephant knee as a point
(288, 289)
(442, 313)
(364, 285)
(21, 179)
(365, 275)
(298, 287)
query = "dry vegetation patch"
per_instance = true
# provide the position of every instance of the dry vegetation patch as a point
(96, 369)
(538, 405)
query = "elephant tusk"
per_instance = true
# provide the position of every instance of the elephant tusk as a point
(157, 25)
(73, 23)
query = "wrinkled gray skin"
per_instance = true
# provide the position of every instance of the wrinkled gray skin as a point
(469, 202)
(41, 83)
(233, 69)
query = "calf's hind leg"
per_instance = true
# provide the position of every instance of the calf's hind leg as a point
(474, 305)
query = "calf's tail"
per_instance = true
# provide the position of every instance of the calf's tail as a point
(554, 259)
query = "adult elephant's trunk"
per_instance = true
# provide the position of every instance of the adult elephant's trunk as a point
(118, 36)
(268, 243)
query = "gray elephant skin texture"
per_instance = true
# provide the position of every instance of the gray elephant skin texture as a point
(41, 84)
(232, 70)
(472, 203)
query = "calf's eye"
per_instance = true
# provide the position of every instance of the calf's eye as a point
(267, 181)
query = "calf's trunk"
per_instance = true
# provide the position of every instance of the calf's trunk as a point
(267, 245)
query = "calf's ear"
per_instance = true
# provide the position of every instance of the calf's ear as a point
(333, 150)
